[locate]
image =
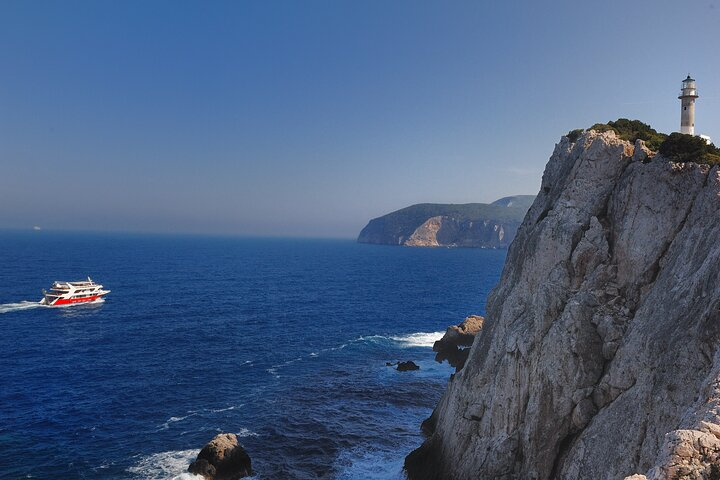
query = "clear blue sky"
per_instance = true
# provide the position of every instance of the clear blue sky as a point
(309, 118)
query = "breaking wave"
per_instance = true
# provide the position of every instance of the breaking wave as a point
(166, 466)
(173, 465)
(420, 339)
(244, 432)
(369, 464)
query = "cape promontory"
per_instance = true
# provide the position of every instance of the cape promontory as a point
(478, 225)
(599, 356)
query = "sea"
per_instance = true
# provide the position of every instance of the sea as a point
(283, 342)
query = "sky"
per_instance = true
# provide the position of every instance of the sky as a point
(308, 118)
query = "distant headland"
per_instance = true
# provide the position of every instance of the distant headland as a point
(478, 225)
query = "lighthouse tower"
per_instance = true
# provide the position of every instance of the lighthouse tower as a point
(687, 106)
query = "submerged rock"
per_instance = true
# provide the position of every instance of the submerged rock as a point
(454, 345)
(407, 366)
(222, 459)
(600, 356)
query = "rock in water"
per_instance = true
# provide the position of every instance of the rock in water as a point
(202, 467)
(599, 357)
(222, 459)
(450, 346)
(407, 366)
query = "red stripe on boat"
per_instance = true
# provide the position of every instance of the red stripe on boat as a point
(65, 301)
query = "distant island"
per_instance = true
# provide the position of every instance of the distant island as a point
(477, 225)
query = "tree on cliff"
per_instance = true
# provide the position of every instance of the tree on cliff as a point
(680, 147)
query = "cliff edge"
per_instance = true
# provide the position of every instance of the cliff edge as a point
(599, 357)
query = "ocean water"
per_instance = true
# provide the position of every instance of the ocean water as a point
(283, 342)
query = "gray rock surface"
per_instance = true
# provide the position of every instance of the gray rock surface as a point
(454, 346)
(599, 355)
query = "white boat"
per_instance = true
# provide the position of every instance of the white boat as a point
(66, 293)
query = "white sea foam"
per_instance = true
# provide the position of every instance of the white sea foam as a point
(13, 307)
(369, 464)
(371, 338)
(420, 339)
(274, 368)
(166, 466)
(170, 420)
(231, 407)
(244, 432)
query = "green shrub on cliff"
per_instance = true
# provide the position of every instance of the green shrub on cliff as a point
(680, 147)
(573, 135)
(632, 130)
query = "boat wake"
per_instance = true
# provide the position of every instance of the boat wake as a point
(27, 305)
(14, 307)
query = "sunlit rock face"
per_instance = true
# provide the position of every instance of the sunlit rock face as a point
(599, 356)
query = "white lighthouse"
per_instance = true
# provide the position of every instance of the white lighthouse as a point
(687, 106)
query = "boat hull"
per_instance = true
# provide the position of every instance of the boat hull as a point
(69, 301)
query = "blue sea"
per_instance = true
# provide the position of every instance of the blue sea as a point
(281, 341)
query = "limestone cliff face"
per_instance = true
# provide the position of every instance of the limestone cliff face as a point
(599, 355)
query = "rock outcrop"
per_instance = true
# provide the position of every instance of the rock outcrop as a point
(436, 225)
(599, 355)
(408, 366)
(222, 459)
(454, 346)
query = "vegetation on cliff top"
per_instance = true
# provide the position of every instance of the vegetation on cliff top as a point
(687, 148)
(677, 147)
(632, 130)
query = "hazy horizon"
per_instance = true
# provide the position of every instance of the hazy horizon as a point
(290, 119)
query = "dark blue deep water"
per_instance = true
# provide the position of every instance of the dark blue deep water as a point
(283, 342)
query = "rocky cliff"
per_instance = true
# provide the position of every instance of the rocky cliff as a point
(599, 357)
(436, 225)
